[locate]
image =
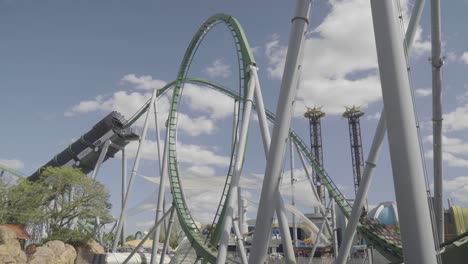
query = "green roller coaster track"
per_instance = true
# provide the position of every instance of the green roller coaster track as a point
(207, 251)
(11, 171)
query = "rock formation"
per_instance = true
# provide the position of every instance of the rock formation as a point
(10, 249)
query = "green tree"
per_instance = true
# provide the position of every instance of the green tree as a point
(60, 197)
(129, 238)
(73, 196)
(22, 203)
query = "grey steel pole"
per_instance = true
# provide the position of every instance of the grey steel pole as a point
(280, 132)
(240, 242)
(101, 157)
(98, 229)
(158, 144)
(284, 228)
(280, 209)
(163, 172)
(134, 171)
(230, 199)
(262, 118)
(437, 63)
(333, 228)
(314, 248)
(414, 22)
(322, 209)
(408, 175)
(240, 211)
(168, 236)
(124, 188)
(361, 195)
(235, 135)
(370, 255)
(293, 198)
(149, 234)
(374, 151)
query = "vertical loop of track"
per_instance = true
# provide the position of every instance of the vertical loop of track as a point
(245, 58)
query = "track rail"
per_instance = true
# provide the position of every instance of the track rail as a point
(11, 171)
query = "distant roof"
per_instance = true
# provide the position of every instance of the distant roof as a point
(19, 231)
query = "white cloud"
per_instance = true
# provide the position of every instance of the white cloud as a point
(423, 92)
(340, 63)
(457, 188)
(195, 126)
(126, 103)
(206, 100)
(193, 155)
(454, 151)
(276, 54)
(456, 120)
(144, 82)
(218, 68)
(201, 170)
(255, 50)
(202, 193)
(14, 164)
(199, 99)
(374, 116)
(464, 57)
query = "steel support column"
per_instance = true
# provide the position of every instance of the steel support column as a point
(280, 133)
(134, 172)
(374, 151)
(437, 63)
(279, 206)
(230, 200)
(406, 158)
(163, 172)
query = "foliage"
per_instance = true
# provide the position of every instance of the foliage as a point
(73, 196)
(130, 238)
(21, 203)
(73, 237)
(60, 197)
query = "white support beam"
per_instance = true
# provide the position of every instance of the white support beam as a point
(408, 175)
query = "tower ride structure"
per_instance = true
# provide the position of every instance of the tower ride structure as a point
(353, 114)
(314, 115)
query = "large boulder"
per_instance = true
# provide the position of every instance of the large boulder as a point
(43, 255)
(10, 249)
(95, 247)
(54, 252)
(88, 252)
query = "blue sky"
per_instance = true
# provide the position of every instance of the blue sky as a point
(66, 64)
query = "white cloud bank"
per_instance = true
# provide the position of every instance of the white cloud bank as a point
(218, 68)
(12, 163)
(457, 188)
(340, 62)
(464, 57)
(208, 104)
(454, 151)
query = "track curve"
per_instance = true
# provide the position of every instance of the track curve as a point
(245, 59)
(13, 172)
